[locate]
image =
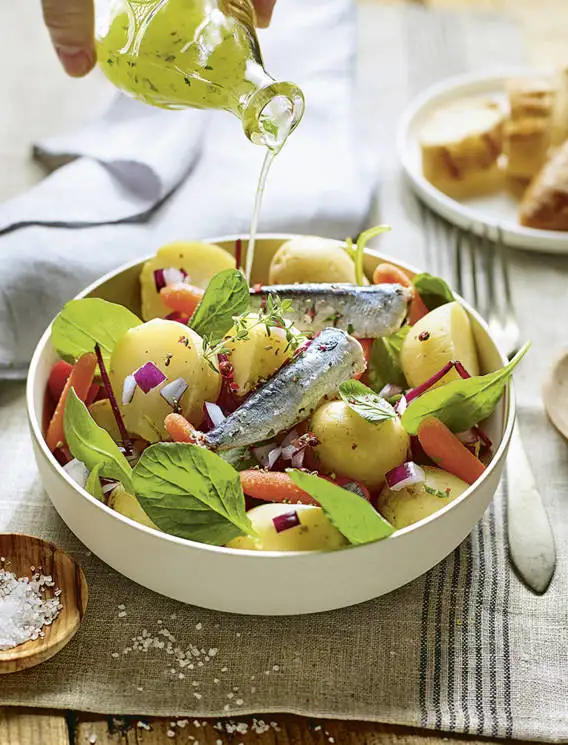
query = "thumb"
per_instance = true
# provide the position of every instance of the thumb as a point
(71, 27)
(263, 10)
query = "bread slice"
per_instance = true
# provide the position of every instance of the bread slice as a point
(560, 108)
(530, 98)
(545, 204)
(462, 143)
(526, 143)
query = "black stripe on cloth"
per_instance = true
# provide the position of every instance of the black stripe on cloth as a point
(438, 621)
(494, 662)
(464, 637)
(506, 701)
(424, 656)
(478, 624)
(452, 632)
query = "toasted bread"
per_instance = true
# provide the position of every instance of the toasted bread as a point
(545, 204)
(526, 142)
(461, 143)
(530, 98)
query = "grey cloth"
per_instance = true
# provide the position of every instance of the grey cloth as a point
(465, 648)
(145, 177)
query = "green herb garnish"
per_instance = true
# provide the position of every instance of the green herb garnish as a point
(365, 402)
(433, 290)
(356, 251)
(384, 362)
(462, 404)
(89, 321)
(226, 296)
(352, 515)
(192, 493)
(93, 445)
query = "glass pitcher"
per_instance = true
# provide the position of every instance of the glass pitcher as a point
(196, 53)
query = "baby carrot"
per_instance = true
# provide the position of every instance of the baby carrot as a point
(58, 377)
(390, 274)
(418, 309)
(80, 379)
(179, 429)
(447, 452)
(182, 297)
(273, 486)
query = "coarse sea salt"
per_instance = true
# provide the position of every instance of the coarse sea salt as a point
(24, 608)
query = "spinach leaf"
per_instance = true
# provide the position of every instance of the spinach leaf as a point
(89, 321)
(93, 485)
(462, 404)
(352, 515)
(227, 295)
(366, 402)
(192, 493)
(92, 444)
(433, 290)
(384, 363)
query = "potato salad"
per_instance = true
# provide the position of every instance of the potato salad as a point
(321, 409)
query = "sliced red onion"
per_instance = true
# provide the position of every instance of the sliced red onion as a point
(286, 521)
(390, 390)
(113, 402)
(148, 377)
(108, 485)
(487, 444)
(290, 437)
(179, 317)
(267, 455)
(78, 471)
(215, 413)
(173, 275)
(128, 389)
(289, 451)
(401, 405)
(172, 392)
(159, 279)
(298, 458)
(469, 437)
(405, 475)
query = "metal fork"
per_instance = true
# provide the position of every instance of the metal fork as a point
(531, 542)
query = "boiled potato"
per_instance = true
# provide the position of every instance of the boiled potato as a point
(442, 336)
(101, 411)
(310, 259)
(200, 260)
(315, 533)
(258, 356)
(355, 448)
(127, 504)
(177, 352)
(414, 503)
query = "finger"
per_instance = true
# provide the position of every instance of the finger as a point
(71, 27)
(264, 10)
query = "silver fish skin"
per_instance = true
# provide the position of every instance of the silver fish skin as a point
(365, 311)
(292, 393)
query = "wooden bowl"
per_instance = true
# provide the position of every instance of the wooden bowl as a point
(21, 553)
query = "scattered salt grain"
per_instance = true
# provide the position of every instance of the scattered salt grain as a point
(121, 613)
(224, 669)
(198, 696)
(143, 725)
(170, 733)
(24, 609)
(198, 626)
(239, 702)
(276, 668)
(121, 606)
(115, 655)
(93, 739)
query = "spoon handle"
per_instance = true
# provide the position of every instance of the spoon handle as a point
(531, 541)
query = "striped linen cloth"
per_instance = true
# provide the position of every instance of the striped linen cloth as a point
(465, 648)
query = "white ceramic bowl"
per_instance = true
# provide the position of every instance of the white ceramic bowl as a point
(272, 583)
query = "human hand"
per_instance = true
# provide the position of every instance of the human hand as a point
(71, 25)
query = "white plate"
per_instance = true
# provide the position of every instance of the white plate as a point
(477, 213)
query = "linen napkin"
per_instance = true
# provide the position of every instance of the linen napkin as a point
(143, 176)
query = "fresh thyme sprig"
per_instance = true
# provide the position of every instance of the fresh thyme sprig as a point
(271, 315)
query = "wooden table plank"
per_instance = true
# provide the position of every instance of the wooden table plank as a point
(33, 727)
(289, 730)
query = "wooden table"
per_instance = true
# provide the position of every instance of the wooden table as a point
(24, 117)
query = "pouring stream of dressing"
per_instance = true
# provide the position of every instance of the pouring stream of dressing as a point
(277, 119)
